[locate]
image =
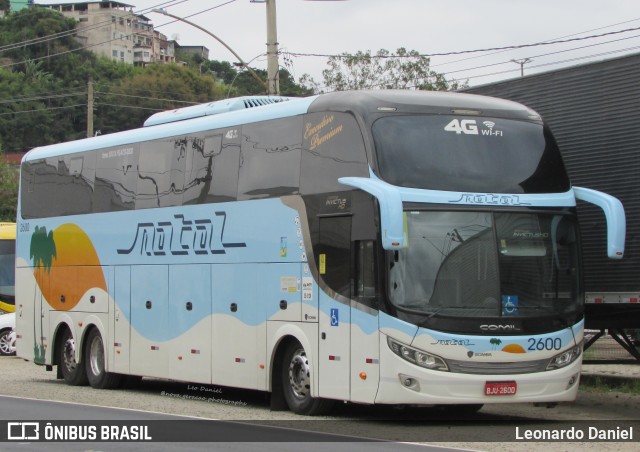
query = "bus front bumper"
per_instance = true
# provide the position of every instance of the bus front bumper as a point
(402, 382)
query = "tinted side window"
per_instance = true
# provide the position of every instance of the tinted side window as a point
(333, 147)
(212, 168)
(334, 253)
(161, 172)
(58, 186)
(116, 179)
(270, 158)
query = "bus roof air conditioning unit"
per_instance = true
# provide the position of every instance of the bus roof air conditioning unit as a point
(212, 108)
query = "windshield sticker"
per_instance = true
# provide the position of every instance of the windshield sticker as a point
(471, 127)
(510, 305)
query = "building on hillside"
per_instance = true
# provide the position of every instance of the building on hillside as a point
(201, 52)
(113, 30)
(165, 50)
(17, 5)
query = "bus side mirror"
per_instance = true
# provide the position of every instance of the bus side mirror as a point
(390, 202)
(614, 214)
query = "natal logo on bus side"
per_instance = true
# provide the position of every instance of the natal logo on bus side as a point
(181, 237)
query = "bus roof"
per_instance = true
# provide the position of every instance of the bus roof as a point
(172, 129)
(231, 113)
(212, 108)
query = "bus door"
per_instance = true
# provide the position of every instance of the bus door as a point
(149, 320)
(27, 329)
(190, 323)
(119, 353)
(333, 261)
(281, 287)
(239, 326)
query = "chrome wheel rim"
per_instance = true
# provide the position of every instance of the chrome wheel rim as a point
(96, 356)
(299, 374)
(69, 355)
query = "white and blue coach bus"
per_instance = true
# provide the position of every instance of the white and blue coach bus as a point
(387, 247)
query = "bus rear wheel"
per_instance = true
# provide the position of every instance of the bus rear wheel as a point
(73, 373)
(296, 383)
(94, 362)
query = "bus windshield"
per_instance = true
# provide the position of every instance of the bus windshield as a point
(473, 154)
(486, 264)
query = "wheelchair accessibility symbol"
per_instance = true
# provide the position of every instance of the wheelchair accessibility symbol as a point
(335, 319)
(510, 305)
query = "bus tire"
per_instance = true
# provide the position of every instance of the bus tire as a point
(73, 373)
(94, 363)
(296, 383)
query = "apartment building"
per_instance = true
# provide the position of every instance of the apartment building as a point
(113, 30)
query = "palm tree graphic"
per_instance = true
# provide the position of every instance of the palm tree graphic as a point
(42, 252)
(495, 342)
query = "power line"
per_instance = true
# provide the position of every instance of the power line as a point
(148, 98)
(128, 106)
(462, 52)
(114, 39)
(570, 60)
(560, 37)
(77, 30)
(43, 97)
(542, 55)
(41, 109)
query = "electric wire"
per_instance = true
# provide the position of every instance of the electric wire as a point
(76, 30)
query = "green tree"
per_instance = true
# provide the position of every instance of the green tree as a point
(38, 102)
(149, 90)
(8, 190)
(241, 83)
(384, 70)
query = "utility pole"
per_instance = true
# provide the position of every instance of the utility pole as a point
(90, 108)
(522, 63)
(273, 76)
(242, 63)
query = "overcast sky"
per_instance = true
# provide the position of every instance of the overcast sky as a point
(428, 26)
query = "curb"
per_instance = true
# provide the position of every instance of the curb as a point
(594, 379)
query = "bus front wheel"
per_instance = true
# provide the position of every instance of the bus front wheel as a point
(296, 383)
(73, 373)
(94, 363)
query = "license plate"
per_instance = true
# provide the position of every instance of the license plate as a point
(500, 388)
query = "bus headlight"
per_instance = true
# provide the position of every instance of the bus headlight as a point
(565, 358)
(417, 357)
